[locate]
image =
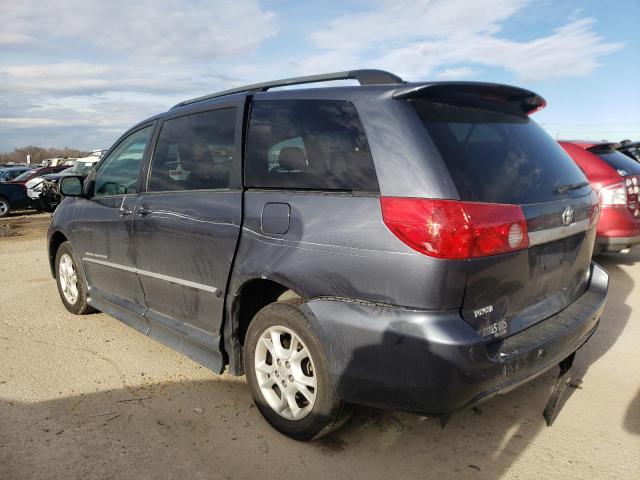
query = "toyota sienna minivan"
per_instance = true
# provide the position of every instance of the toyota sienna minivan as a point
(413, 246)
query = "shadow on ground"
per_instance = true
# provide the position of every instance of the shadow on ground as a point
(614, 318)
(211, 429)
(156, 433)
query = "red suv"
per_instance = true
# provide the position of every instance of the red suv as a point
(616, 178)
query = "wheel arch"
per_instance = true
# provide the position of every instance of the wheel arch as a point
(252, 295)
(57, 239)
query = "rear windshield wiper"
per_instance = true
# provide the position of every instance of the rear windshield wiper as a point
(570, 186)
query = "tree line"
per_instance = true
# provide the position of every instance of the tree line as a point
(19, 155)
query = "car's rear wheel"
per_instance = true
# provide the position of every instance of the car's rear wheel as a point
(5, 207)
(72, 285)
(288, 375)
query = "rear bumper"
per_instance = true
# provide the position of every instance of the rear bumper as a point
(615, 244)
(617, 229)
(434, 362)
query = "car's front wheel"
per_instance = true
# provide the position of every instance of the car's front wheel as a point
(288, 374)
(5, 207)
(72, 285)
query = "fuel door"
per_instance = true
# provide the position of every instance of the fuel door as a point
(275, 218)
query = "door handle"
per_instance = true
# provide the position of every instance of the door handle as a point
(124, 211)
(142, 211)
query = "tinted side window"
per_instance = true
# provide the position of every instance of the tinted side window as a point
(118, 174)
(194, 152)
(308, 144)
(498, 156)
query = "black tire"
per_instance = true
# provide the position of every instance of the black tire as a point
(597, 250)
(80, 306)
(5, 207)
(328, 412)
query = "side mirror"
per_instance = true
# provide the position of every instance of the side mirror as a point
(71, 186)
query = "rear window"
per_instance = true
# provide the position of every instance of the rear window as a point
(308, 145)
(623, 164)
(498, 156)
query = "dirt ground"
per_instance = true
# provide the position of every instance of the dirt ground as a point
(88, 397)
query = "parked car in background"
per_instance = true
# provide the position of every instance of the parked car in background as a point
(38, 171)
(13, 196)
(616, 178)
(372, 245)
(43, 191)
(8, 174)
(630, 149)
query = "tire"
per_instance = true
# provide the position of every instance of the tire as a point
(327, 412)
(5, 207)
(76, 304)
(597, 250)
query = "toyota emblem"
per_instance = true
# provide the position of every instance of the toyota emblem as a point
(567, 216)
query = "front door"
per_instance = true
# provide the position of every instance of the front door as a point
(187, 223)
(104, 223)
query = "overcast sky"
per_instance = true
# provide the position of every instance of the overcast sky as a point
(78, 73)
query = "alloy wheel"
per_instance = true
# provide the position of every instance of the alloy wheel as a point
(285, 373)
(68, 279)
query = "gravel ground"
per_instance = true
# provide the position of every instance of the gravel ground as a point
(88, 397)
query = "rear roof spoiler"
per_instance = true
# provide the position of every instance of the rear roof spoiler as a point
(527, 100)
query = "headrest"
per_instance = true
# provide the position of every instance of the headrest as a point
(292, 158)
(187, 154)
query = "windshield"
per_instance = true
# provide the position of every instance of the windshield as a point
(499, 156)
(632, 151)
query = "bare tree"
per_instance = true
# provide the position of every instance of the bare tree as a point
(19, 155)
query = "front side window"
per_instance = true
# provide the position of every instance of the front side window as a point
(308, 145)
(194, 152)
(118, 174)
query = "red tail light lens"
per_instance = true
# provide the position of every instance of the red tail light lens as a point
(455, 230)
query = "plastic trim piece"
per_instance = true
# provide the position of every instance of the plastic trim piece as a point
(159, 276)
(551, 234)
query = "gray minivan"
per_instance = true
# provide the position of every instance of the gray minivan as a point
(415, 246)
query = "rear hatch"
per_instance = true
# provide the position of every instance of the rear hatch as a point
(497, 155)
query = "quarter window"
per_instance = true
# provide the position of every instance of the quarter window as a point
(194, 152)
(308, 144)
(118, 174)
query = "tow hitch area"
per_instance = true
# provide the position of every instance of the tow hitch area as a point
(553, 405)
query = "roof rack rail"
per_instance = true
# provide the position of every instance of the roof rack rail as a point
(364, 77)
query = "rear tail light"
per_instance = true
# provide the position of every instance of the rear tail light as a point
(613, 195)
(625, 193)
(633, 195)
(455, 230)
